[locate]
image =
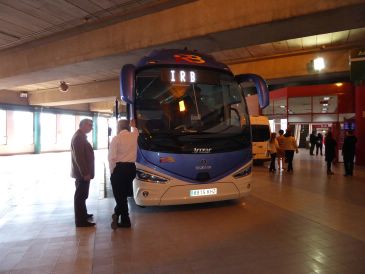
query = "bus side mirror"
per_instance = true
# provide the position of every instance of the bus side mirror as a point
(261, 87)
(127, 75)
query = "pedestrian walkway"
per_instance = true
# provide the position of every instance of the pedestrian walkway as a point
(304, 222)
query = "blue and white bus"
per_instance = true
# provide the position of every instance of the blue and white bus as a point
(194, 141)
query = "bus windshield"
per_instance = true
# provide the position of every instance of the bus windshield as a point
(179, 109)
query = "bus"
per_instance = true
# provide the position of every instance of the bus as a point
(260, 128)
(194, 143)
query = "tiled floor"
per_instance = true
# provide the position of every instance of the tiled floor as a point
(304, 222)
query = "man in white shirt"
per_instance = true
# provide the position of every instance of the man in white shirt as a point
(122, 157)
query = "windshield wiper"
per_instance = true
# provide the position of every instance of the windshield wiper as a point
(148, 85)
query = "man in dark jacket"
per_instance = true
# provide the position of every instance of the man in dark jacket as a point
(319, 143)
(82, 169)
(312, 141)
(330, 151)
(348, 152)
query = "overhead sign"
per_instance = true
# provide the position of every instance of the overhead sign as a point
(185, 76)
(182, 76)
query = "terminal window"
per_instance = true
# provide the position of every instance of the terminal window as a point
(22, 127)
(48, 129)
(2, 127)
(65, 128)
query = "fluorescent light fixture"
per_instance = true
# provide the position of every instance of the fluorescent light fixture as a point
(23, 94)
(318, 63)
(282, 106)
(325, 105)
(326, 98)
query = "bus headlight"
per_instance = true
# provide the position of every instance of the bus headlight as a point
(150, 177)
(243, 172)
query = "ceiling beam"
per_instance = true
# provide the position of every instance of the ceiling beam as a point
(295, 66)
(217, 27)
(87, 93)
(271, 69)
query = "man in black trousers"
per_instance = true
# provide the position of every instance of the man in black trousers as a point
(82, 169)
(122, 156)
(312, 141)
(348, 152)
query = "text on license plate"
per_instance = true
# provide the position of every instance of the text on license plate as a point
(203, 192)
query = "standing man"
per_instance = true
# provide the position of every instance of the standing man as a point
(312, 141)
(348, 152)
(319, 144)
(330, 151)
(82, 169)
(122, 157)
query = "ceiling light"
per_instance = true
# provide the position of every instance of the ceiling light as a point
(339, 84)
(325, 105)
(282, 106)
(23, 94)
(318, 64)
(326, 98)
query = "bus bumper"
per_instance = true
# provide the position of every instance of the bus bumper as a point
(178, 192)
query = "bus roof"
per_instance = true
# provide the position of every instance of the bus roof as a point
(180, 57)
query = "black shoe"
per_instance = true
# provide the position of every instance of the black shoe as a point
(114, 224)
(85, 224)
(89, 215)
(125, 222)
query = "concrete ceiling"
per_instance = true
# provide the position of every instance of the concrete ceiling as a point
(263, 38)
(23, 21)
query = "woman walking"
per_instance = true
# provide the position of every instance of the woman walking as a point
(290, 145)
(280, 153)
(272, 148)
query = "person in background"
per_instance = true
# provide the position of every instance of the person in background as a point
(330, 151)
(122, 156)
(272, 149)
(280, 154)
(319, 143)
(82, 169)
(348, 152)
(290, 145)
(312, 141)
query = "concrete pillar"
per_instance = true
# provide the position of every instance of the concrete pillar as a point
(360, 123)
(37, 131)
(95, 131)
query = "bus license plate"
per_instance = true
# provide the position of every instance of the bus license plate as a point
(203, 192)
